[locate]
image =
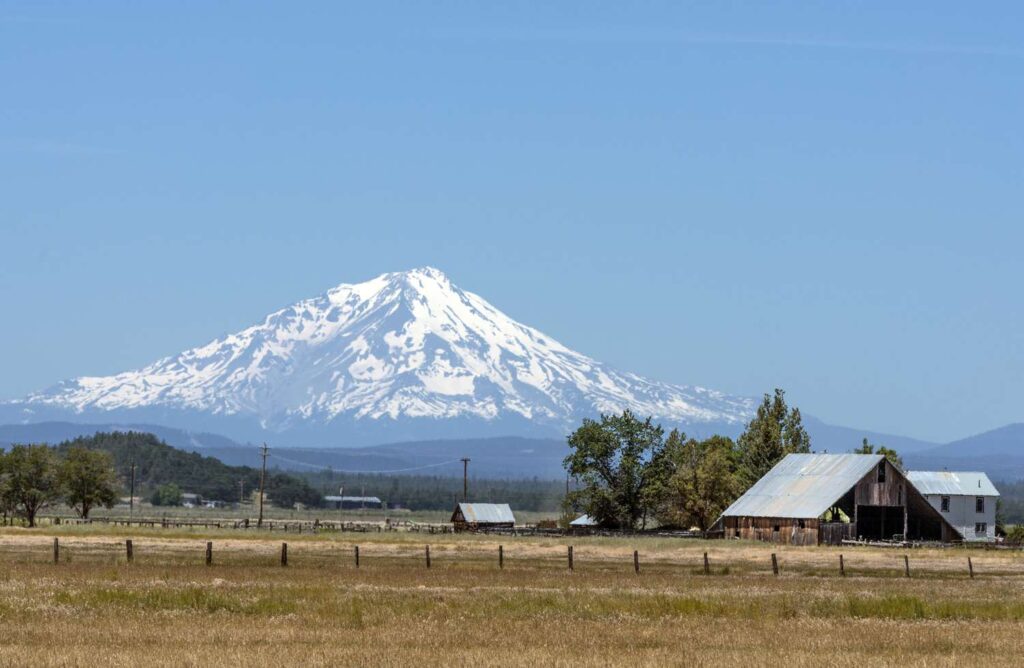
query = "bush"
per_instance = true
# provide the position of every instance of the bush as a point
(1015, 534)
(167, 495)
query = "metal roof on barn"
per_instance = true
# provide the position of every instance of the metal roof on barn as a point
(352, 499)
(803, 486)
(953, 483)
(487, 513)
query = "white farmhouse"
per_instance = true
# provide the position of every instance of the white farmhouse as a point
(966, 499)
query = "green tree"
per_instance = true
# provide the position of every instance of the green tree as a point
(6, 505)
(703, 482)
(775, 432)
(615, 460)
(158, 463)
(166, 495)
(1015, 535)
(870, 449)
(30, 481)
(88, 480)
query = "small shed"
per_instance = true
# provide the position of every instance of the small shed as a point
(482, 516)
(966, 498)
(341, 502)
(582, 525)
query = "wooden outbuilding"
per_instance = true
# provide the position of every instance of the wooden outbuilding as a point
(483, 516)
(816, 499)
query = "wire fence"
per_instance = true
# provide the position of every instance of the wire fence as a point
(570, 558)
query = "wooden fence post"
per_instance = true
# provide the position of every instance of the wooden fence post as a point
(636, 562)
(56, 550)
(842, 568)
(906, 565)
(501, 556)
(209, 553)
(707, 566)
(428, 556)
(775, 564)
(357, 556)
(970, 567)
(128, 550)
(570, 558)
(284, 554)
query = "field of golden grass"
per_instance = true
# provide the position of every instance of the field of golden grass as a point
(168, 608)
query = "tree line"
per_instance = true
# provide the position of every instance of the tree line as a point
(92, 472)
(427, 492)
(33, 477)
(629, 474)
(158, 465)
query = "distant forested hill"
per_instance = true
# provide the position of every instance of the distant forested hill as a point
(158, 463)
(420, 492)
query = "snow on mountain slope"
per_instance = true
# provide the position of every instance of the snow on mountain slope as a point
(402, 346)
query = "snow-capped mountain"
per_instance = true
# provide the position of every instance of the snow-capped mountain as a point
(403, 355)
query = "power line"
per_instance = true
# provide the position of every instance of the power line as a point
(263, 474)
(337, 470)
(465, 479)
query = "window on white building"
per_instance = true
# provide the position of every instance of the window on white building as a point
(981, 529)
(979, 504)
(945, 504)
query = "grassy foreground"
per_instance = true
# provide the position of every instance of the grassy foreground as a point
(168, 608)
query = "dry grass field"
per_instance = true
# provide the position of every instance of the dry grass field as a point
(169, 608)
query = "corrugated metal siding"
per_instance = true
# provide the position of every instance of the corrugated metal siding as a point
(334, 498)
(803, 485)
(487, 513)
(953, 483)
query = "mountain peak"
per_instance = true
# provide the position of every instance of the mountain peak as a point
(405, 348)
(425, 271)
(418, 278)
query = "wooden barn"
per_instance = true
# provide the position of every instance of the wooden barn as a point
(482, 516)
(812, 499)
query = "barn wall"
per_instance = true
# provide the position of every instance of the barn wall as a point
(834, 533)
(763, 529)
(870, 492)
(482, 526)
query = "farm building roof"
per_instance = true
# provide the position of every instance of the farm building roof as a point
(353, 499)
(487, 513)
(953, 483)
(583, 521)
(803, 485)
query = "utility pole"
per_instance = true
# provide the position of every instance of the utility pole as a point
(465, 479)
(263, 475)
(131, 496)
(241, 491)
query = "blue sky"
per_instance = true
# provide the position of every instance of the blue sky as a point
(825, 197)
